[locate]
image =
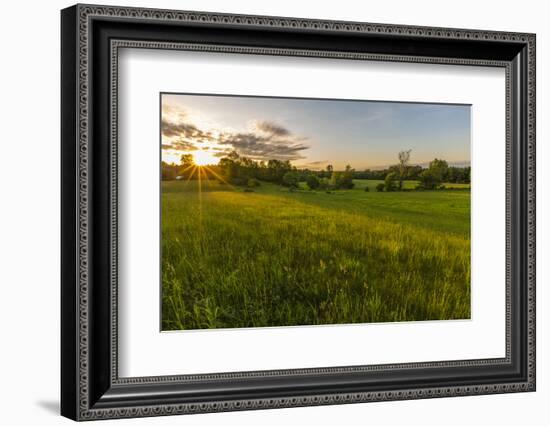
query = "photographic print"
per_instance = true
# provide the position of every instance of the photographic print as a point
(292, 211)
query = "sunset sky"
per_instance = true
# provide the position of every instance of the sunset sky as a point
(312, 133)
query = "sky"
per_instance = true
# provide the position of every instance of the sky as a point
(313, 133)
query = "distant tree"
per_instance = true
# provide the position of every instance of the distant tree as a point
(458, 175)
(187, 160)
(439, 168)
(276, 169)
(467, 174)
(312, 181)
(390, 182)
(413, 172)
(434, 175)
(168, 171)
(324, 184)
(429, 179)
(253, 183)
(230, 168)
(291, 179)
(404, 157)
(380, 187)
(342, 180)
(327, 172)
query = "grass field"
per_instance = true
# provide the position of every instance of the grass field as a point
(273, 257)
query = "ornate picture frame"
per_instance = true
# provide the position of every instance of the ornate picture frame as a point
(91, 37)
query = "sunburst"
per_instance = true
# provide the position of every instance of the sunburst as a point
(204, 158)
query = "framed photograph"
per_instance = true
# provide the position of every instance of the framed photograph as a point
(263, 212)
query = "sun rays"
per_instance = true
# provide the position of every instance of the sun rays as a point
(204, 158)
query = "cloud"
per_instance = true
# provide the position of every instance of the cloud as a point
(317, 164)
(184, 130)
(272, 128)
(173, 111)
(180, 145)
(265, 147)
(267, 140)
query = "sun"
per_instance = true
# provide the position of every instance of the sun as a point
(204, 158)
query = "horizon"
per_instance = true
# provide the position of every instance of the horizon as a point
(457, 164)
(313, 133)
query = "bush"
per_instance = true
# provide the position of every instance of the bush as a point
(429, 179)
(312, 182)
(324, 184)
(380, 187)
(291, 179)
(390, 182)
(239, 181)
(367, 189)
(253, 183)
(248, 190)
(342, 180)
(168, 173)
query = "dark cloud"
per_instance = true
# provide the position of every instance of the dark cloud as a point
(223, 153)
(262, 147)
(180, 145)
(184, 130)
(268, 141)
(272, 128)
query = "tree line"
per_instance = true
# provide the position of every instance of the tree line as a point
(243, 171)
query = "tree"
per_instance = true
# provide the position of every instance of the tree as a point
(429, 179)
(290, 179)
(404, 157)
(187, 160)
(342, 180)
(312, 181)
(413, 172)
(434, 175)
(390, 181)
(439, 168)
(276, 169)
(328, 171)
(169, 171)
(380, 187)
(232, 169)
(253, 183)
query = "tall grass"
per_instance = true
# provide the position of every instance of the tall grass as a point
(273, 258)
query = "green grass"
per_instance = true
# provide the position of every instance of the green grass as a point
(273, 257)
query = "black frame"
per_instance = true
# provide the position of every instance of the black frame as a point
(91, 37)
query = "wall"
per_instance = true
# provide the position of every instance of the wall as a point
(29, 229)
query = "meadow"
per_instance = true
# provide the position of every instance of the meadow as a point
(274, 257)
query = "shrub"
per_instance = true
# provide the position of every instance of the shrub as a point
(324, 184)
(248, 190)
(291, 179)
(312, 182)
(429, 179)
(342, 180)
(390, 183)
(253, 183)
(367, 189)
(380, 187)
(239, 181)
